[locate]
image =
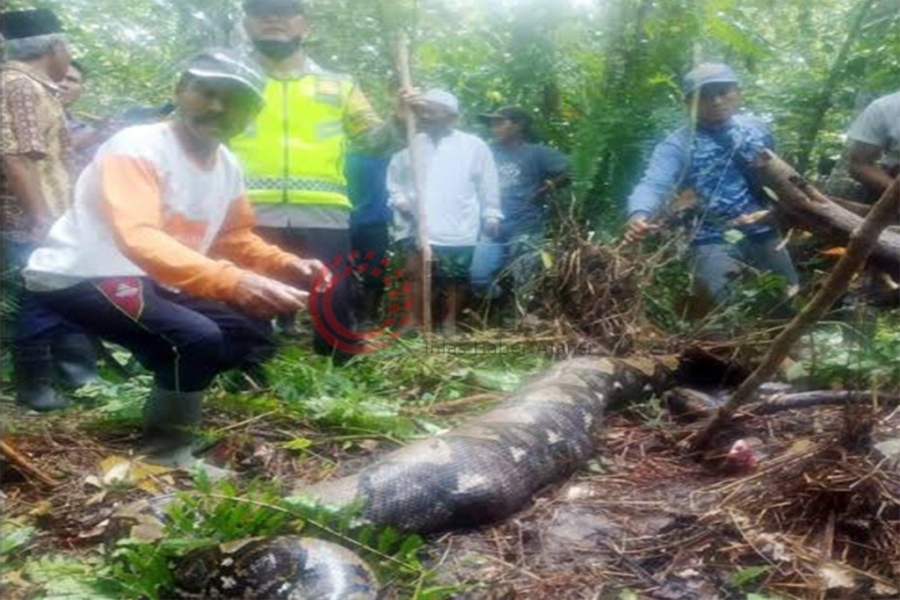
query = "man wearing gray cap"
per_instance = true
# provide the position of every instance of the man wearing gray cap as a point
(461, 196)
(710, 158)
(157, 253)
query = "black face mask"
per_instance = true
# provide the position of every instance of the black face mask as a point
(277, 49)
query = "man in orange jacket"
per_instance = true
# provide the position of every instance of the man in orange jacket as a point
(158, 255)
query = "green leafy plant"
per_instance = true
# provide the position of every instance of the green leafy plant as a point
(220, 512)
(370, 396)
(81, 578)
(841, 353)
(748, 577)
(13, 537)
(112, 405)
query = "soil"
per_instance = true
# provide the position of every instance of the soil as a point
(641, 520)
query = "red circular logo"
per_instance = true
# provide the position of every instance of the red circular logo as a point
(337, 334)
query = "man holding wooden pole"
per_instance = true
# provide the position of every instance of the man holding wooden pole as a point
(460, 196)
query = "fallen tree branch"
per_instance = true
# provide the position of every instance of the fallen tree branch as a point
(783, 402)
(800, 204)
(863, 239)
(693, 405)
(25, 465)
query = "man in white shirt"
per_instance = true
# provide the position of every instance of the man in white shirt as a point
(461, 197)
(872, 158)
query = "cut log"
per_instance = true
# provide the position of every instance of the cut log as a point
(856, 208)
(862, 210)
(799, 204)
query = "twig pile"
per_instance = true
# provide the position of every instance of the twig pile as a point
(824, 518)
(595, 292)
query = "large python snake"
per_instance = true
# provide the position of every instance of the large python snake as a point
(481, 472)
(285, 567)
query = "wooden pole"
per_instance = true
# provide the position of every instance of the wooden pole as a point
(863, 239)
(418, 185)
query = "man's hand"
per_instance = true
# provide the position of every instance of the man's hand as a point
(550, 186)
(546, 188)
(403, 207)
(303, 272)
(492, 228)
(24, 183)
(266, 297)
(862, 163)
(407, 99)
(638, 228)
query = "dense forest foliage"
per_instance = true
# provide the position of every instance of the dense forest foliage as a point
(600, 75)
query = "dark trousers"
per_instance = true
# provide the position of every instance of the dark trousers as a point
(332, 247)
(370, 245)
(184, 341)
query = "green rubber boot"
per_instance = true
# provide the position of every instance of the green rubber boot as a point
(170, 419)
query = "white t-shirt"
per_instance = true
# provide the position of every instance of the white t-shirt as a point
(145, 207)
(460, 187)
(879, 125)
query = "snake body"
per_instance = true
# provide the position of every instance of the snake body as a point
(280, 568)
(483, 471)
(490, 467)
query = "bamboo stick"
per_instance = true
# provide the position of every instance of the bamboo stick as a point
(403, 70)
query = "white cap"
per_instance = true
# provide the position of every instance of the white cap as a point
(442, 98)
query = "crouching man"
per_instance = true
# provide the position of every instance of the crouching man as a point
(157, 252)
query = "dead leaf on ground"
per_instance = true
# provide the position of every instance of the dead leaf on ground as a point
(120, 470)
(835, 575)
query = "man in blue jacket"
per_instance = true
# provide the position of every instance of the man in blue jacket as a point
(710, 157)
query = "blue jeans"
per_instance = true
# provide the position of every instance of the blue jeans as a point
(715, 265)
(519, 254)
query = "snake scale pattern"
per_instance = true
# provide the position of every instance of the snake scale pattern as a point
(280, 568)
(482, 471)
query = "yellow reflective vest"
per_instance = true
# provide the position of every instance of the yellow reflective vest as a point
(294, 152)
